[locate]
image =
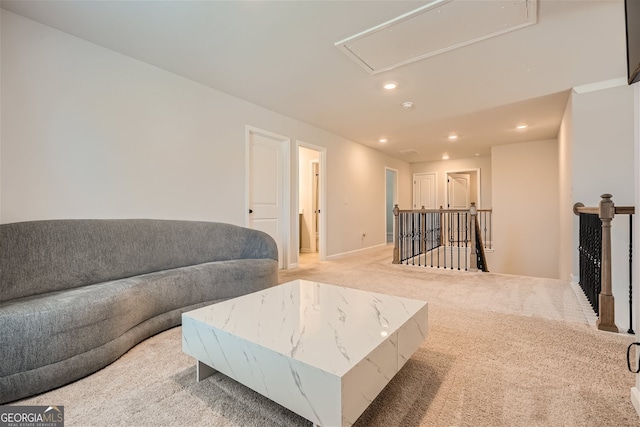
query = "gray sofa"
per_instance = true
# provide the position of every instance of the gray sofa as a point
(77, 294)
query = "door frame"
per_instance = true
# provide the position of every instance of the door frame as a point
(315, 184)
(394, 202)
(285, 153)
(478, 184)
(322, 193)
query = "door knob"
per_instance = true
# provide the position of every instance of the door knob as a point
(250, 211)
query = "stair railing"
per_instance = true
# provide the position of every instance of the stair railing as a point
(595, 259)
(442, 238)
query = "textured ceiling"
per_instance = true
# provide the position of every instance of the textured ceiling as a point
(281, 55)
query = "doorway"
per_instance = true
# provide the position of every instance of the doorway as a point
(463, 187)
(311, 203)
(391, 199)
(458, 190)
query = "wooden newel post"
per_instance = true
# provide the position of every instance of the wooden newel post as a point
(473, 254)
(396, 235)
(607, 319)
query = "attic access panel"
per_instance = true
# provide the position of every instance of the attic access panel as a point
(437, 27)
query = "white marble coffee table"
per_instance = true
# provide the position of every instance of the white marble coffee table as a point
(323, 351)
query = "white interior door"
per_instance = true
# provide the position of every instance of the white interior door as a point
(266, 201)
(458, 185)
(424, 191)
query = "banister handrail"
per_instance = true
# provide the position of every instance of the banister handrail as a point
(441, 210)
(625, 210)
(579, 208)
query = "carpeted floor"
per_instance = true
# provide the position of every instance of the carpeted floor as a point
(502, 351)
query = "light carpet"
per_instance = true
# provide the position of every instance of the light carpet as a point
(502, 351)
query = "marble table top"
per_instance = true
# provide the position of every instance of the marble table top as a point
(329, 327)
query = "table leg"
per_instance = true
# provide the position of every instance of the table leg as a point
(203, 371)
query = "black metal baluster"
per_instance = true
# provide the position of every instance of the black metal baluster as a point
(405, 253)
(401, 236)
(458, 242)
(466, 241)
(434, 236)
(440, 225)
(630, 331)
(590, 249)
(590, 257)
(451, 240)
(423, 229)
(413, 239)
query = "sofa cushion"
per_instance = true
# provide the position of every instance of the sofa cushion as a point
(49, 328)
(38, 257)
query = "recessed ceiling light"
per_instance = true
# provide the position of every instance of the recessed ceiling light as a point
(382, 140)
(445, 157)
(522, 126)
(453, 137)
(477, 154)
(390, 85)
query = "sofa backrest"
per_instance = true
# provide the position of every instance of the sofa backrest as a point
(45, 256)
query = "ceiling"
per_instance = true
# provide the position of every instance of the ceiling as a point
(282, 55)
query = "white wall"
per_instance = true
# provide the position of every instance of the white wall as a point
(603, 135)
(442, 167)
(566, 249)
(525, 209)
(90, 133)
(356, 194)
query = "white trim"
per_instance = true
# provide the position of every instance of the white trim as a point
(479, 190)
(605, 84)
(345, 254)
(322, 231)
(313, 244)
(285, 186)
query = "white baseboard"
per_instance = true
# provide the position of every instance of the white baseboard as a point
(344, 254)
(635, 399)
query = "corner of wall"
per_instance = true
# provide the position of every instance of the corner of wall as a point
(565, 202)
